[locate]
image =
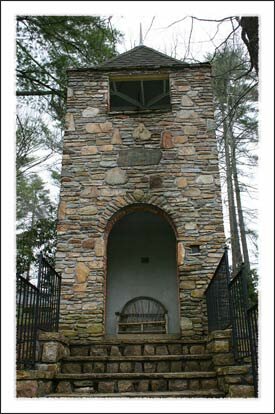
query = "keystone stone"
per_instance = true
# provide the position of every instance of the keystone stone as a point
(138, 195)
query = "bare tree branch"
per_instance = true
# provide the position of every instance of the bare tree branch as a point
(149, 27)
(34, 93)
(189, 40)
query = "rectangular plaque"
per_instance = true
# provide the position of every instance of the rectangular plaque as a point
(139, 156)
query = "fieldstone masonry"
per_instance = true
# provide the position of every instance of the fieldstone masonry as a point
(162, 159)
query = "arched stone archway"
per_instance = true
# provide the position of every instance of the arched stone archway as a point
(141, 261)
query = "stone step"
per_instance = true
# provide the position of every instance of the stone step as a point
(138, 348)
(211, 393)
(113, 358)
(138, 339)
(134, 382)
(192, 374)
(147, 363)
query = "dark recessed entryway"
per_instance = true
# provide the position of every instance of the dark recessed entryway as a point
(142, 262)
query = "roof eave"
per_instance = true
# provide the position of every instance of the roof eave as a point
(145, 67)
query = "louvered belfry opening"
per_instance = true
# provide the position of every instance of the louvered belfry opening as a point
(139, 94)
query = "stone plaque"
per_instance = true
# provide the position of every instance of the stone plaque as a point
(139, 156)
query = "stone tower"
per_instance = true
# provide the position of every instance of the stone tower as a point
(140, 210)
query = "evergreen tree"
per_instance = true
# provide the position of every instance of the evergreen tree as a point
(236, 113)
(46, 47)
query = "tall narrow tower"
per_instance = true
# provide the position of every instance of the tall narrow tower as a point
(140, 218)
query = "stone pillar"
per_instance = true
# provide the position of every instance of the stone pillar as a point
(37, 383)
(30, 384)
(219, 345)
(236, 381)
(53, 346)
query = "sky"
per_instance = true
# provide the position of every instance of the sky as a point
(170, 34)
(128, 15)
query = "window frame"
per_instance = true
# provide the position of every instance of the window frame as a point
(142, 107)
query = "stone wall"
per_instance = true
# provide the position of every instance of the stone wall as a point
(236, 381)
(52, 348)
(110, 161)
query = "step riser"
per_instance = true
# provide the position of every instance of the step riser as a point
(127, 386)
(137, 349)
(131, 366)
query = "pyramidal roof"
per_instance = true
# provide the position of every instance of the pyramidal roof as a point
(140, 56)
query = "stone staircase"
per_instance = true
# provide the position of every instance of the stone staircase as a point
(137, 368)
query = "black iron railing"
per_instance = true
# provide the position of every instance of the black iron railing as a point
(26, 326)
(252, 314)
(228, 306)
(217, 297)
(244, 324)
(37, 308)
(240, 326)
(49, 283)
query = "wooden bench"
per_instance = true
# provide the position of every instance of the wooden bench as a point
(142, 315)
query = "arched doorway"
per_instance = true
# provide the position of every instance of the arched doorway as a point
(141, 261)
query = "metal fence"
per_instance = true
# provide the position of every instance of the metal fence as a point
(37, 308)
(228, 306)
(217, 297)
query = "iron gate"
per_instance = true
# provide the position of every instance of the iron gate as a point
(37, 308)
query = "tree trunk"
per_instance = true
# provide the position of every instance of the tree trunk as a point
(234, 234)
(239, 205)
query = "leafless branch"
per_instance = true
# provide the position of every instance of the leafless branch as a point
(224, 42)
(38, 161)
(234, 107)
(149, 27)
(34, 93)
(189, 40)
(201, 20)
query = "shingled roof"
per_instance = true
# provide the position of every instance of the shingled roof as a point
(140, 56)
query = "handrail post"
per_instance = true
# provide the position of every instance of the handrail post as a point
(232, 321)
(248, 321)
(58, 302)
(37, 305)
(32, 302)
(40, 264)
